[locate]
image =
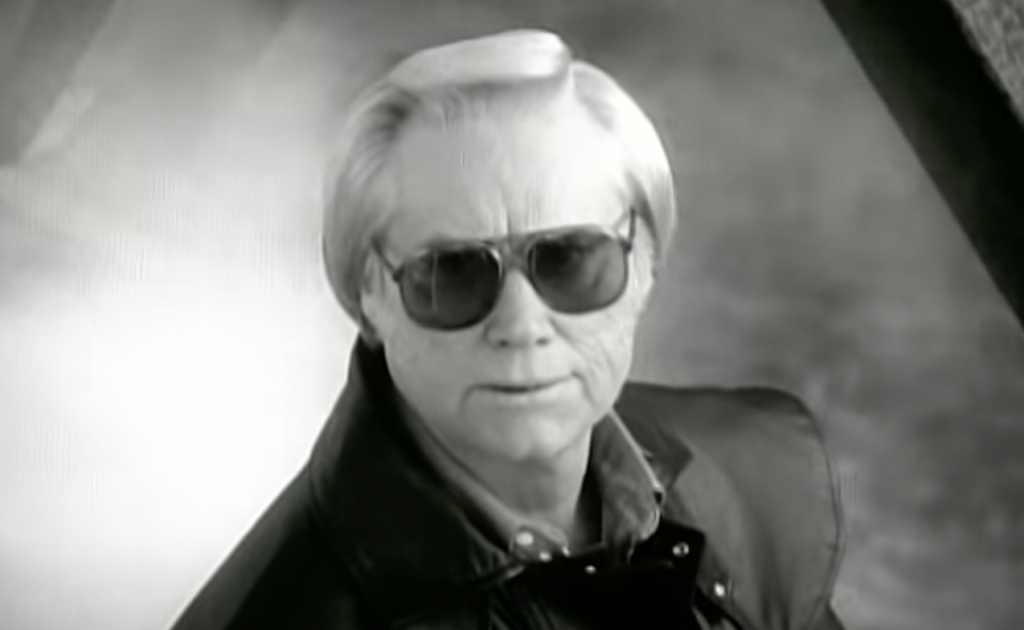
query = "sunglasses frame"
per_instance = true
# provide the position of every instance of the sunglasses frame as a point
(510, 252)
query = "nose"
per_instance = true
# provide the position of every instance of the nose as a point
(520, 318)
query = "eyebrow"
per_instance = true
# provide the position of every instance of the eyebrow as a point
(443, 240)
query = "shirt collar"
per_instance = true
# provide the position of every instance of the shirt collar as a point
(395, 522)
(631, 494)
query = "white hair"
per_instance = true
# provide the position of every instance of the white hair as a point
(459, 81)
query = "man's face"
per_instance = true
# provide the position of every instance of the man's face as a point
(488, 179)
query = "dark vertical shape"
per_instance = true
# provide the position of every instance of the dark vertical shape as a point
(954, 114)
(40, 53)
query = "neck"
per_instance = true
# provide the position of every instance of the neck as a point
(550, 490)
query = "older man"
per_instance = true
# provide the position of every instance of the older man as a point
(497, 218)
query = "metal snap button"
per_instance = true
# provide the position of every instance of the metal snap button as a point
(524, 539)
(680, 550)
(720, 589)
(590, 569)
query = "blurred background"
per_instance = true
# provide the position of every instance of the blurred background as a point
(169, 347)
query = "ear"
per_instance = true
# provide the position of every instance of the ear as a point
(368, 334)
(648, 287)
(372, 298)
(646, 264)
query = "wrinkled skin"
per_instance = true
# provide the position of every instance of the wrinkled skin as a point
(490, 178)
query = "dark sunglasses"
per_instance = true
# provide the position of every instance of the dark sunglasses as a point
(574, 270)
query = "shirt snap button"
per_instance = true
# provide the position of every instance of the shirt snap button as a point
(590, 569)
(720, 589)
(524, 539)
(680, 550)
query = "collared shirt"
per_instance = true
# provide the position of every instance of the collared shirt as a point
(631, 495)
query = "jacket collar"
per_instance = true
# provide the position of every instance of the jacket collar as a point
(390, 518)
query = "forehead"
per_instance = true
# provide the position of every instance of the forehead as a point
(490, 177)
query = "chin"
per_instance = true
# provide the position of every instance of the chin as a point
(540, 438)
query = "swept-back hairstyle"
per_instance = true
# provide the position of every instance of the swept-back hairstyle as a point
(460, 81)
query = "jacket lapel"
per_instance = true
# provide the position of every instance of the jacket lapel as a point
(389, 519)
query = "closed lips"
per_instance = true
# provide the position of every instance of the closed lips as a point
(522, 388)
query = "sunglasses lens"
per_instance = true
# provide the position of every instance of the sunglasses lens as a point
(449, 289)
(579, 272)
(573, 272)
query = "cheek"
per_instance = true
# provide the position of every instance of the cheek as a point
(425, 365)
(429, 369)
(414, 350)
(605, 340)
(607, 350)
(604, 343)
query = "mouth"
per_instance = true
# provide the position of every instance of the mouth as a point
(522, 388)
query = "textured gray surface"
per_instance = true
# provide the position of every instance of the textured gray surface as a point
(160, 295)
(997, 29)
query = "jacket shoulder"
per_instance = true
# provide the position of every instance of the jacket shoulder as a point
(279, 576)
(737, 428)
(755, 424)
(759, 481)
(656, 399)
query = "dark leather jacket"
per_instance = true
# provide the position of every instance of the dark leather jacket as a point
(367, 537)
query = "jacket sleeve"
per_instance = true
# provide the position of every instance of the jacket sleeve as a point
(279, 576)
(791, 491)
